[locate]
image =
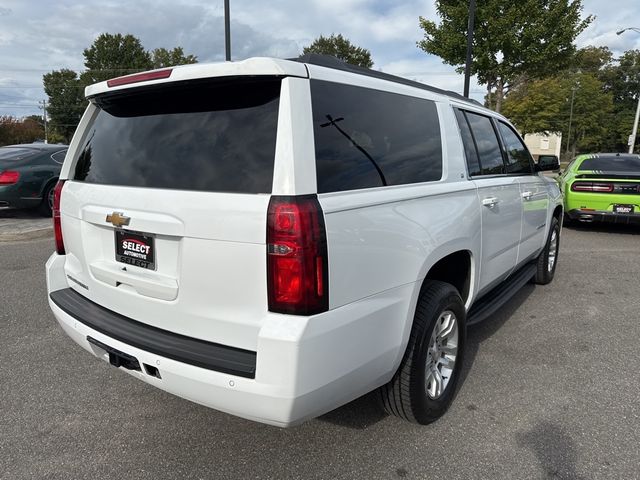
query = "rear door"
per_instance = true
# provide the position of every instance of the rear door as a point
(164, 212)
(533, 191)
(499, 198)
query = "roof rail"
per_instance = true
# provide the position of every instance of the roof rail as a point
(330, 61)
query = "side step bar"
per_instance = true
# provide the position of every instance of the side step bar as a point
(496, 298)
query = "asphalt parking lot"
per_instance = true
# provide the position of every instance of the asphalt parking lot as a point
(550, 390)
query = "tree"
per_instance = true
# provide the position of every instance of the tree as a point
(161, 57)
(592, 59)
(622, 79)
(545, 106)
(109, 56)
(25, 130)
(66, 101)
(512, 42)
(114, 55)
(340, 47)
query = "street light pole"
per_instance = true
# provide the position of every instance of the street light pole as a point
(632, 139)
(470, 26)
(634, 132)
(227, 32)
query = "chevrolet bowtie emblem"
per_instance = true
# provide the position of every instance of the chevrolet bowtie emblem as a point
(117, 219)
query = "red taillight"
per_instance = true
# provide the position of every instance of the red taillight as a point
(9, 177)
(139, 77)
(297, 266)
(592, 187)
(57, 228)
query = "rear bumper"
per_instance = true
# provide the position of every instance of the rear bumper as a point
(304, 366)
(589, 216)
(11, 196)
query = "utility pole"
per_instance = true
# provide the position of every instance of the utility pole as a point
(573, 95)
(44, 116)
(632, 138)
(470, 27)
(227, 32)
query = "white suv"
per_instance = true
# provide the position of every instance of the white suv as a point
(275, 238)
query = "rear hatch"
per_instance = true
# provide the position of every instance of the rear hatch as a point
(164, 212)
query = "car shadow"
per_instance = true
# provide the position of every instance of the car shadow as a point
(612, 228)
(478, 333)
(366, 410)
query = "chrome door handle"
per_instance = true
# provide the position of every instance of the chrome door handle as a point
(489, 202)
(527, 195)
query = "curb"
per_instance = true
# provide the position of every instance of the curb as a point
(27, 235)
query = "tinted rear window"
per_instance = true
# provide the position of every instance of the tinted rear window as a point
(368, 138)
(207, 135)
(623, 163)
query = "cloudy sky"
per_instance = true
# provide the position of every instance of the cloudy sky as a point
(37, 36)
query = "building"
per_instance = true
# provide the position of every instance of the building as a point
(544, 143)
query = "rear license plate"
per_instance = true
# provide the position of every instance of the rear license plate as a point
(623, 208)
(135, 249)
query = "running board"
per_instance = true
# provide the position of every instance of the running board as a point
(496, 298)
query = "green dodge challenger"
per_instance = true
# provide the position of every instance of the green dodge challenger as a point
(602, 187)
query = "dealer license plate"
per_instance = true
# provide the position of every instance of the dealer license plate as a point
(136, 249)
(623, 208)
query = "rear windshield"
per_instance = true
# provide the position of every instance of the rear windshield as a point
(207, 135)
(623, 163)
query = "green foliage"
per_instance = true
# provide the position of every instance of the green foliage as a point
(110, 55)
(545, 106)
(66, 101)
(606, 93)
(161, 57)
(592, 60)
(340, 47)
(512, 40)
(26, 130)
(114, 55)
(623, 81)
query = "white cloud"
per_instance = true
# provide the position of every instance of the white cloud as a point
(37, 36)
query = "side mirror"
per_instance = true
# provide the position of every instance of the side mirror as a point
(548, 163)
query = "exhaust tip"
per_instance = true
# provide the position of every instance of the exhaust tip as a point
(586, 218)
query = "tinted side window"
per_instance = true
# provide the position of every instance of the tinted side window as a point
(211, 135)
(367, 138)
(518, 157)
(471, 154)
(487, 144)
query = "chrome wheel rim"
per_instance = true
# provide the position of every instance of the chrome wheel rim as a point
(442, 354)
(553, 250)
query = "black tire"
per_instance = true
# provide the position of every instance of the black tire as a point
(545, 271)
(406, 394)
(45, 207)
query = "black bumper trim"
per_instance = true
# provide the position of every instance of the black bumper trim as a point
(589, 216)
(212, 356)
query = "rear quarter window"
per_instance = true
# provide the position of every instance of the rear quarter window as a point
(214, 135)
(369, 138)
